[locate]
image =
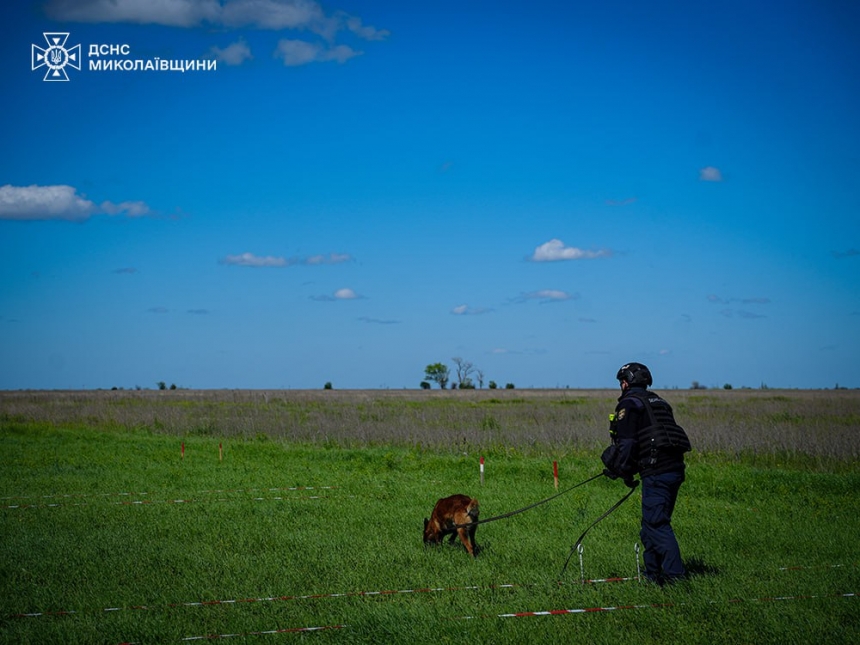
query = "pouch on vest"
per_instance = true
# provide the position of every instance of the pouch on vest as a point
(664, 433)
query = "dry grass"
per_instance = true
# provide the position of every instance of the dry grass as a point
(817, 423)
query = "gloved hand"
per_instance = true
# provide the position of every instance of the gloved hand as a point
(631, 483)
(609, 474)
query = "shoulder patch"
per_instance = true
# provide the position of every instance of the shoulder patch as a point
(621, 414)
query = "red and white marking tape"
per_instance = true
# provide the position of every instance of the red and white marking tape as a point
(288, 630)
(150, 502)
(141, 502)
(220, 491)
(209, 603)
(522, 614)
(592, 610)
(391, 592)
(821, 566)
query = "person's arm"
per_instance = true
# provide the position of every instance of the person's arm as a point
(621, 458)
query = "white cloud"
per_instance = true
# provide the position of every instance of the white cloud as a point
(273, 15)
(331, 258)
(44, 202)
(547, 295)
(555, 250)
(131, 209)
(174, 13)
(264, 14)
(466, 310)
(233, 54)
(379, 321)
(251, 260)
(366, 31)
(59, 202)
(300, 52)
(340, 53)
(345, 294)
(340, 294)
(550, 294)
(709, 173)
(621, 202)
(296, 52)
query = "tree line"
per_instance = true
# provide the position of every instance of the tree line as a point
(467, 375)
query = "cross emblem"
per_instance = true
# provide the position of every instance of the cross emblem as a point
(55, 57)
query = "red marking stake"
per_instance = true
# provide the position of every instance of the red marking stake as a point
(183, 450)
(482, 470)
(221, 455)
(555, 473)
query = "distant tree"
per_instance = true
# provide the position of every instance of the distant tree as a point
(327, 385)
(727, 386)
(467, 384)
(173, 386)
(479, 374)
(464, 370)
(493, 385)
(425, 385)
(437, 373)
(161, 385)
(509, 386)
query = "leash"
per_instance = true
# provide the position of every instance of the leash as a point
(593, 524)
(530, 506)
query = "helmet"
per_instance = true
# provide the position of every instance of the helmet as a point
(635, 374)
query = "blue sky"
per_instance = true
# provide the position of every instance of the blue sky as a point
(350, 191)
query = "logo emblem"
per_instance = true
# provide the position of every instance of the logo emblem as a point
(55, 57)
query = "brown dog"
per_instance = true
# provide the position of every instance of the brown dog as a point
(449, 512)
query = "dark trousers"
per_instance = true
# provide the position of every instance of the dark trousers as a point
(662, 555)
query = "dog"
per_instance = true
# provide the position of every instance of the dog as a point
(449, 512)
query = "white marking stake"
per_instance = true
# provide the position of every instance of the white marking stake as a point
(638, 570)
(581, 567)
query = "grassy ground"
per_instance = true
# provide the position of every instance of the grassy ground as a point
(819, 424)
(111, 523)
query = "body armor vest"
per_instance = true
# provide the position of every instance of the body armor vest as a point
(663, 434)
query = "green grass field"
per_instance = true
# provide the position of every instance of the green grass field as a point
(111, 536)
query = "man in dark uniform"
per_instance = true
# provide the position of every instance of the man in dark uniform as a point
(646, 440)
